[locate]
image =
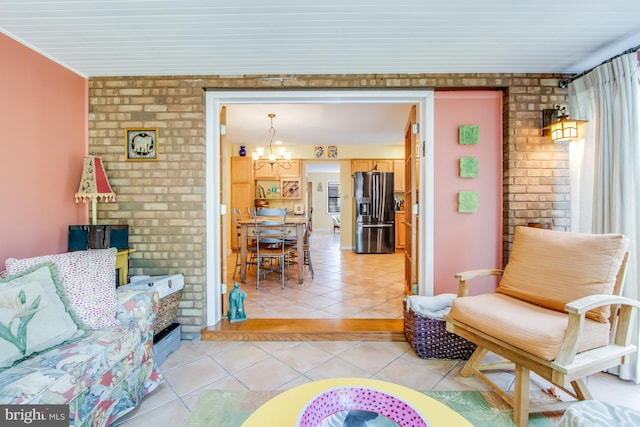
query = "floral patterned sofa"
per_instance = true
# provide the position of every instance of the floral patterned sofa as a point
(104, 365)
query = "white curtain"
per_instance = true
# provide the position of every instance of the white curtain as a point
(605, 165)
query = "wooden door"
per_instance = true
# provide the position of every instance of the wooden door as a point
(400, 231)
(410, 222)
(310, 206)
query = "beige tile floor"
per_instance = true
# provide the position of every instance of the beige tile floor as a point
(344, 285)
(338, 290)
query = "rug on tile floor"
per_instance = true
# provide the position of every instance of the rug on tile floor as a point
(230, 408)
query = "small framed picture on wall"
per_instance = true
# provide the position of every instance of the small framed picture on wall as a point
(141, 144)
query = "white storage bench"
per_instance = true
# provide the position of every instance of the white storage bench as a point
(166, 338)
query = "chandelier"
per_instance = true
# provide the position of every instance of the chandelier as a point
(283, 156)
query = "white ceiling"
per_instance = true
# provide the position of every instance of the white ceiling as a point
(207, 37)
(318, 124)
(285, 37)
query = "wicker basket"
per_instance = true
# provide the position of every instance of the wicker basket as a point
(168, 311)
(430, 339)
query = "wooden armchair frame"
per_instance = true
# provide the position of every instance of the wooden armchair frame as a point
(569, 368)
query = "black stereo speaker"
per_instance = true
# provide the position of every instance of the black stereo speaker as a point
(82, 237)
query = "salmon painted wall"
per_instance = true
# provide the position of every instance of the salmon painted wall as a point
(43, 138)
(467, 241)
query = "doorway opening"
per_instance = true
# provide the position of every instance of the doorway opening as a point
(318, 175)
(215, 213)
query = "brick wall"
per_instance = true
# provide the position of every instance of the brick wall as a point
(164, 202)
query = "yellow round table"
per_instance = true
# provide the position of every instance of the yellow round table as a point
(285, 409)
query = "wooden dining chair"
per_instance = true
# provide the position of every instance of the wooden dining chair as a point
(236, 216)
(271, 247)
(295, 254)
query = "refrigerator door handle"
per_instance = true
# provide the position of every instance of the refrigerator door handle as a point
(374, 193)
(376, 225)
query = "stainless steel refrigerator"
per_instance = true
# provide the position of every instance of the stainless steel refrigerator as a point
(374, 213)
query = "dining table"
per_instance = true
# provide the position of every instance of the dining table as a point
(294, 227)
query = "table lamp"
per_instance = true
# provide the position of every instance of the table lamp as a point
(94, 185)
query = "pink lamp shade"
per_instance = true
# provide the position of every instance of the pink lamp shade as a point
(94, 185)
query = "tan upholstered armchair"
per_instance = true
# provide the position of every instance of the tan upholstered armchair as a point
(557, 312)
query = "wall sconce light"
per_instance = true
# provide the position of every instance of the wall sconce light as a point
(284, 156)
(556, 122)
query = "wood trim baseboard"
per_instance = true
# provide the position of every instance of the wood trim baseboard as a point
(306, 330)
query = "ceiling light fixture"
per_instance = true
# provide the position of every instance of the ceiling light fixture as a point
(556, 122)
(284, 156)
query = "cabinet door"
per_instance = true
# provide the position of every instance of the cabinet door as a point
(241, 183)
(266, 171)
(383, 165)
(242, 195)
(293, 171)
(241, 169)
(241, 198)
(361, 165)
(398, 176)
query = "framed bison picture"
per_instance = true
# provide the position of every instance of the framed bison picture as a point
(141, 144)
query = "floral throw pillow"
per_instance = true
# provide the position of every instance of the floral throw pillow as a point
(33, 314)
(88, 278)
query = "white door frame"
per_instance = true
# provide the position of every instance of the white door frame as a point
(214, 209)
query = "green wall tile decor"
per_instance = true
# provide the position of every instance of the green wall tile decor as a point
(467, 201)
(468, 167)
(469, 134)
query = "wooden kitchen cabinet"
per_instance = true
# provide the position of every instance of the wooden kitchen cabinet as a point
(277, 182)
(398, 176)
(286, 188)
(242, 196)
(241, 186)
(292, 172)
(361, 165)
(291, 188)
(241, 169)
(383, 165)
(276, 171)
(265, 171)
(367, 165)
(400, 231)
